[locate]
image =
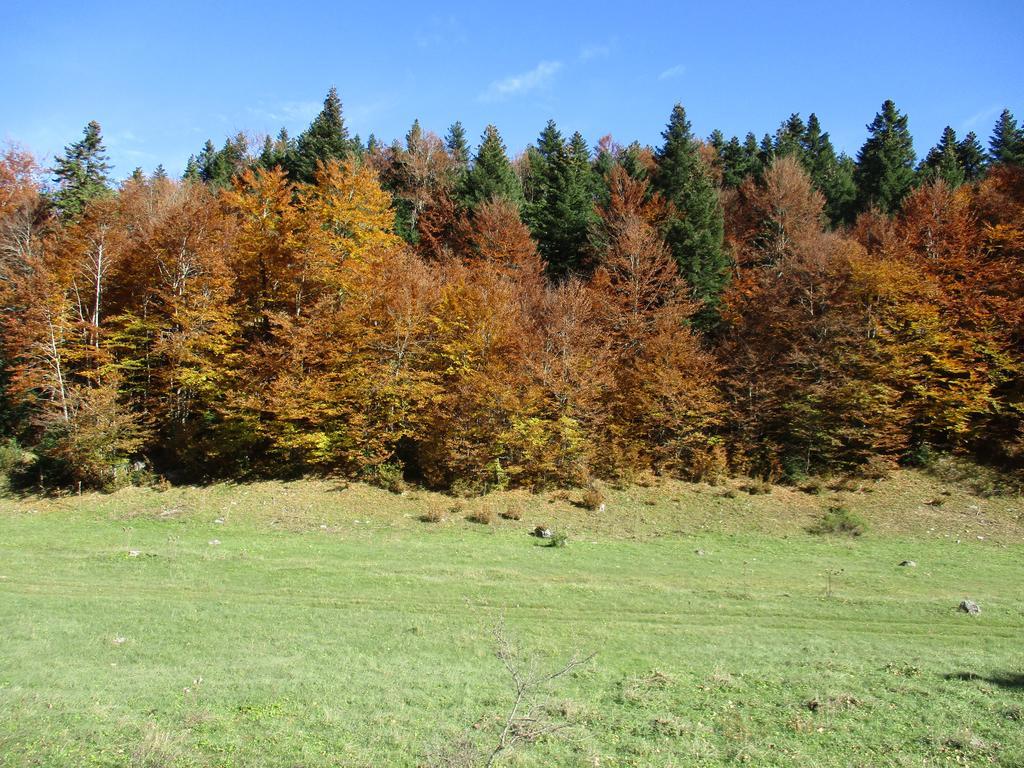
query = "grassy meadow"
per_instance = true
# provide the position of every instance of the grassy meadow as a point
(317, 623)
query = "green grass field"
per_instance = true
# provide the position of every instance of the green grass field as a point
(324, 625)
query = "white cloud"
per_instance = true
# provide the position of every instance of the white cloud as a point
(519, 84)
(978, 117)
(677, 71)
(595, 51)
(289, 111)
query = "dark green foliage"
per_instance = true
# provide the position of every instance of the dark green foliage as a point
(632, 160)
(218, 167)
(1007, 142)
(943, 161)
(326, 139)
(738, 162)
(885, 164)
(491, 175)
(192, 172)
(81, 172)
(766, 151)
(694, 230)
(560, 200)
(840, 520)
(972, 157)
(277, 152)
(830, 175)
(789, 138)
(458, 148)
(160, 173)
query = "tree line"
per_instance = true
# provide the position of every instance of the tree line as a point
(325, 305)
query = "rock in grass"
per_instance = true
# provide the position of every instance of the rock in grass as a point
(133, 553)
(542, 532)
(971, 607)
(908, 564)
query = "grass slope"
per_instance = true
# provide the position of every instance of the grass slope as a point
(325, 625)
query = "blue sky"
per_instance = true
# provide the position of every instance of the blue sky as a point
(163, 77)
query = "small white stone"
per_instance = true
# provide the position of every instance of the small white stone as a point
(214, 542)
(133, 553)
(219, 521)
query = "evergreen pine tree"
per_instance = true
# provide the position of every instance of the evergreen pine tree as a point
(695, 228)
(752, 152)
(972, 157)
(1007, 142)
(560, 208)
(885, 164)
(943, 161)
(737, 163)
(326, 139)
(717, 141)
(455, 143)
(766, 151)
(789, 138)
(192, 170)
(633, 160)
(160, 173)
(834, 179)
(138, 174)
(81, 172)
(491, 175)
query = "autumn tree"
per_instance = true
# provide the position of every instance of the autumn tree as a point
(662, 409)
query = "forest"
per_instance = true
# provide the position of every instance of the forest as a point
(321, 305)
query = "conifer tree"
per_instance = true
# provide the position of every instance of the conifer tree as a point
(326, 139)
(491, 175)
(943, 161)
(766, 151)
(159, 173)
(695, 228)
(1007, 142)
(192, 170)
(753, 154)
(455, 143)
(972, 157)
(790, 137)
(81, 172)
(885, 164)
(561, 209)
(834, 179)
(277, 152)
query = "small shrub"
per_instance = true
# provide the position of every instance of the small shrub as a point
(434, 513)
(593, 497)
(815, 486)
(757, 487)
(876, 468)
(558, 539)
(729, 493)
(840, 520)
(514, 511)
(710, 466)
(389, 476)
(483, 515)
